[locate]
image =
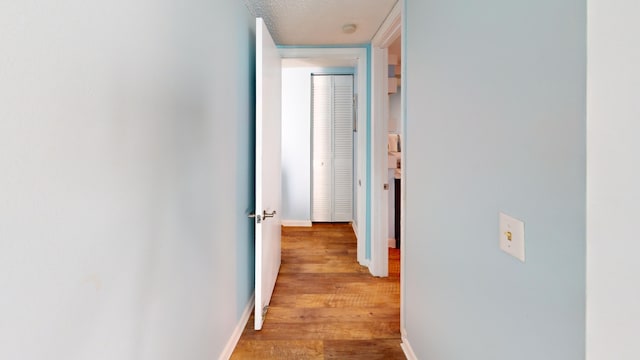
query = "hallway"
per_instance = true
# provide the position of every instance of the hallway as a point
(325, 305)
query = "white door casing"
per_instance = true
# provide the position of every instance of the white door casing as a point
(388, 32)
(268, 174)
(379, 171)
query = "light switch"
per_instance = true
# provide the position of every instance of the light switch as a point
(511, 236)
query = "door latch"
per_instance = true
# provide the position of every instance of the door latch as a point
(257, 217)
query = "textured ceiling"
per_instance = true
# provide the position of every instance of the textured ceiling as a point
(319, 22)
(318, 62)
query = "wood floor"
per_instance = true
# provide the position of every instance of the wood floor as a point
(325, 305)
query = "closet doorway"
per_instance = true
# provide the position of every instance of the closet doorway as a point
(332, 119)
(298, 66)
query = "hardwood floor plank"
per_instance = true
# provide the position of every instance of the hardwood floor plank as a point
(363, 349)
(327, 331)
(325, 305)
(308, 315)
(329, 267)
(280, 349)
(295, 286)
(343, 300)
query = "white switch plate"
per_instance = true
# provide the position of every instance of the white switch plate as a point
(515, 227)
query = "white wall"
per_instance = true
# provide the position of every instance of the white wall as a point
(125, 177)
(296, 143)
(495, 121)
(613, 197)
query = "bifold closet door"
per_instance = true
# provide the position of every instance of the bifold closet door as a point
(322, 149)
(332, 150)
(342, 148)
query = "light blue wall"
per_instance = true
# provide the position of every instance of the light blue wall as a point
(495, 101)
(126, 174)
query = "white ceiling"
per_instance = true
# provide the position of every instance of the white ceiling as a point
(318, 62)
(319, 22)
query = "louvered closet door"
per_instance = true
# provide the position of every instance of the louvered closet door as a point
(342, 148)
(332, 118)
(322, 203)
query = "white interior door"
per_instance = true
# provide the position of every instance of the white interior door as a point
(268, 124)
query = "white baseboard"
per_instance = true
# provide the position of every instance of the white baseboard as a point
(408, 351)
(237, 332)
(298, 223)
(392, 243)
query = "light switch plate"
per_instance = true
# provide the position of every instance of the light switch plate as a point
(514, 229)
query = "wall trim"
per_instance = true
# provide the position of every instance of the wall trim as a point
(403, 180)
(408, 350)
(237, 332)
(364, 261)
(297, 223)
(390, 29)
(379, 164)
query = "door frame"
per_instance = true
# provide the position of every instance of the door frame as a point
(389, 31)
(393, 26)
(379, 172)
(359, 56)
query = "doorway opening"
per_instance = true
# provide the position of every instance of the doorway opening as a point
(299, 64)
(388, 142)
(371, 143)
